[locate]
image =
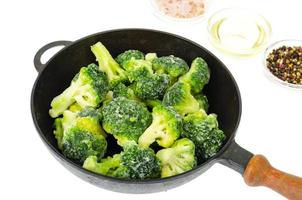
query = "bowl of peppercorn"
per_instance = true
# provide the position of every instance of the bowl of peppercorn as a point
(283, 63)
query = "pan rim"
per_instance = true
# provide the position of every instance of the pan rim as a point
(208, 163)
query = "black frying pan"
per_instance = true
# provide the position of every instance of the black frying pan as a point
(222, 92)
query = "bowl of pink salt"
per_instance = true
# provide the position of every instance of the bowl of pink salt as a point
(180, 10)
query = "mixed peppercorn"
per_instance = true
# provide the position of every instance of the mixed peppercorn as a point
(286, 64)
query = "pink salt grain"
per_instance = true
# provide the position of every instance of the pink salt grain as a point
(181, 8)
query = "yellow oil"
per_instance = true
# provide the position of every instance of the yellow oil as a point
(239, 36)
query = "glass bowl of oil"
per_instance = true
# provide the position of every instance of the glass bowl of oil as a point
(239, 31)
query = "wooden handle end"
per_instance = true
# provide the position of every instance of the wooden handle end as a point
(259, 172)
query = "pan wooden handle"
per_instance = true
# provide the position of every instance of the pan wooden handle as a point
(259, 172)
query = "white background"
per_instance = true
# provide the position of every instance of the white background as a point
(271, 118)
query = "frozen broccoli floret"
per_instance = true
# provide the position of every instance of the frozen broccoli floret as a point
(203, 101)
(151, 87)
(133, 162)
(110, 166)
(166, 127)
(79, 144)
(177, 159)
(108, 65)
(88, 119)
(181, 99)
(150, 56)
(126, 119)
(121, 90)
(88, 88)
(174, 66)
(141, 162)
(198, 75)
(107, 166)
(93, 113)
(128, 55)
(137, 69)
(203, 130)
(83, 135)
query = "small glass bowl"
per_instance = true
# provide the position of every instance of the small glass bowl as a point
(162, 16)
(276, 45)
(239, 31)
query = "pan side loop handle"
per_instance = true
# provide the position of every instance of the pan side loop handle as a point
(259, 172)
(37, 59)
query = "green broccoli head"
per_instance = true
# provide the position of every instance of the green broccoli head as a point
(203, 130)
(107, 166)
(172, 65)
(137, 69)
(94, 86)
(198, 75)
(133, 162)
(78, 144)
(203, 101)
(110, 166)
(88, 88)
(126, 119)
(128, 55)
(91, 112)
(181, 99)
(141, 162)
(166, 127)
(121, 90)
(74, 117)
(82, 134)
(89, 119)
(150, 56)
(108, 65)
(151, 87)
(177, 159)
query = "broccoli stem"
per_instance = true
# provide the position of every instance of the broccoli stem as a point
(106, 63)
(155, 132)
(68, 119)
(61, 103)
(58, 132)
